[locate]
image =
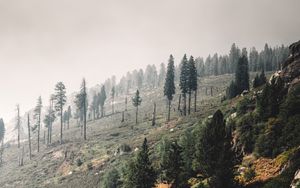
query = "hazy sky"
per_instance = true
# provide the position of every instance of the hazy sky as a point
(45, 41)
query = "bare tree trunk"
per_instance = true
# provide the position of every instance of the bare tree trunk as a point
(21, 156)
(61, 125)
(38, 140)
(195, 102)
(126, 103)
(18, 124)
(68, 122)
(122, 117)
(179, 102)
(184, 104)
(189, 107)
(169, 110)
(154, 114)
(84, 119)
(211, 91)
(29, 141)
(136, 115)
(44, 137)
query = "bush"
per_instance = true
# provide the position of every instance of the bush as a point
(111, 179)
(125, 148)
(79, 162)
(242, 106)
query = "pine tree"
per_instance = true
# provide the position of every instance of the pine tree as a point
(136, 101)
(81, 102)
(37, 117)
(242, 75)
(169, 87)
(174, 167)
(139, 172)
(187, 143)
(184, 74)
(60, 100)
(192, 82)
(213, 156)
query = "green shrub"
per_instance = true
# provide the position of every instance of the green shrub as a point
(111, 179)
(79, 162)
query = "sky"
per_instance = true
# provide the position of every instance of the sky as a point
(46, 41)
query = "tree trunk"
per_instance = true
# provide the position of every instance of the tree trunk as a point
(179, 102)
(189, 107)
(126, 104)
(68, 122)
(154, 114)
(29, 141)
(84, 120)
(184, 104)
(169, 110)
(44, 137)
(195, 102)
(38, 140)
(61, 124)
(122, 117)
(211, 91)
(102, 113)
(136, 115)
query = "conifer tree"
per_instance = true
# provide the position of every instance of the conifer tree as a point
(69, 115)
(60, 100)
(139, 172)
(169, 88)
(29, 141)
(192, 82)
(184, 75)
(242, 75)
(81, 101)
(213, 156)
(136, 101)
(37, 117)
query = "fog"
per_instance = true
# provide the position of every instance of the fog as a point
(43, 42)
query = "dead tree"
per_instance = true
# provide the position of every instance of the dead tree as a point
(21, 157)
(122, 117)
(211, 91)
(29, 141)
(18, 124)
(154, 114)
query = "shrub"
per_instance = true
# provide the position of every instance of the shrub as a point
(79, 162)
(111, 179)
(249, 174)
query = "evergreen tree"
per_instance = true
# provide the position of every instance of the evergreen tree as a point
(169, 88)
(29, 140)
(49, 119)
(174, 167)
(136, 101)
(187, 143)
(37, 117)
(184, 82)
(81, 101)
(139, 172)
(192, 82)
(213, 155)
(242, 75)
(60, 100)
(102, 98)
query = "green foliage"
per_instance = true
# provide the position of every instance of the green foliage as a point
(184, 75)
(242, 106)
(291, 132)
(60, 97)
(259, 80)
(192, 76)
(139, 172)
(231, 91)
(169, 87)
(268, 143)
(111, 179)
(136, 100)
(242, 75)
(213, 156)
(163, 150)
(173, 166)
(187, 144)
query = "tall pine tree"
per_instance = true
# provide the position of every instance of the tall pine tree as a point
(192, 82)
(60, 100)
(169, 88)
(136, 101)
(81, 101)
(37, 117)
(184, 83)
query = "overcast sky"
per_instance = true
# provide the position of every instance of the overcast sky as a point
(46, 41)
